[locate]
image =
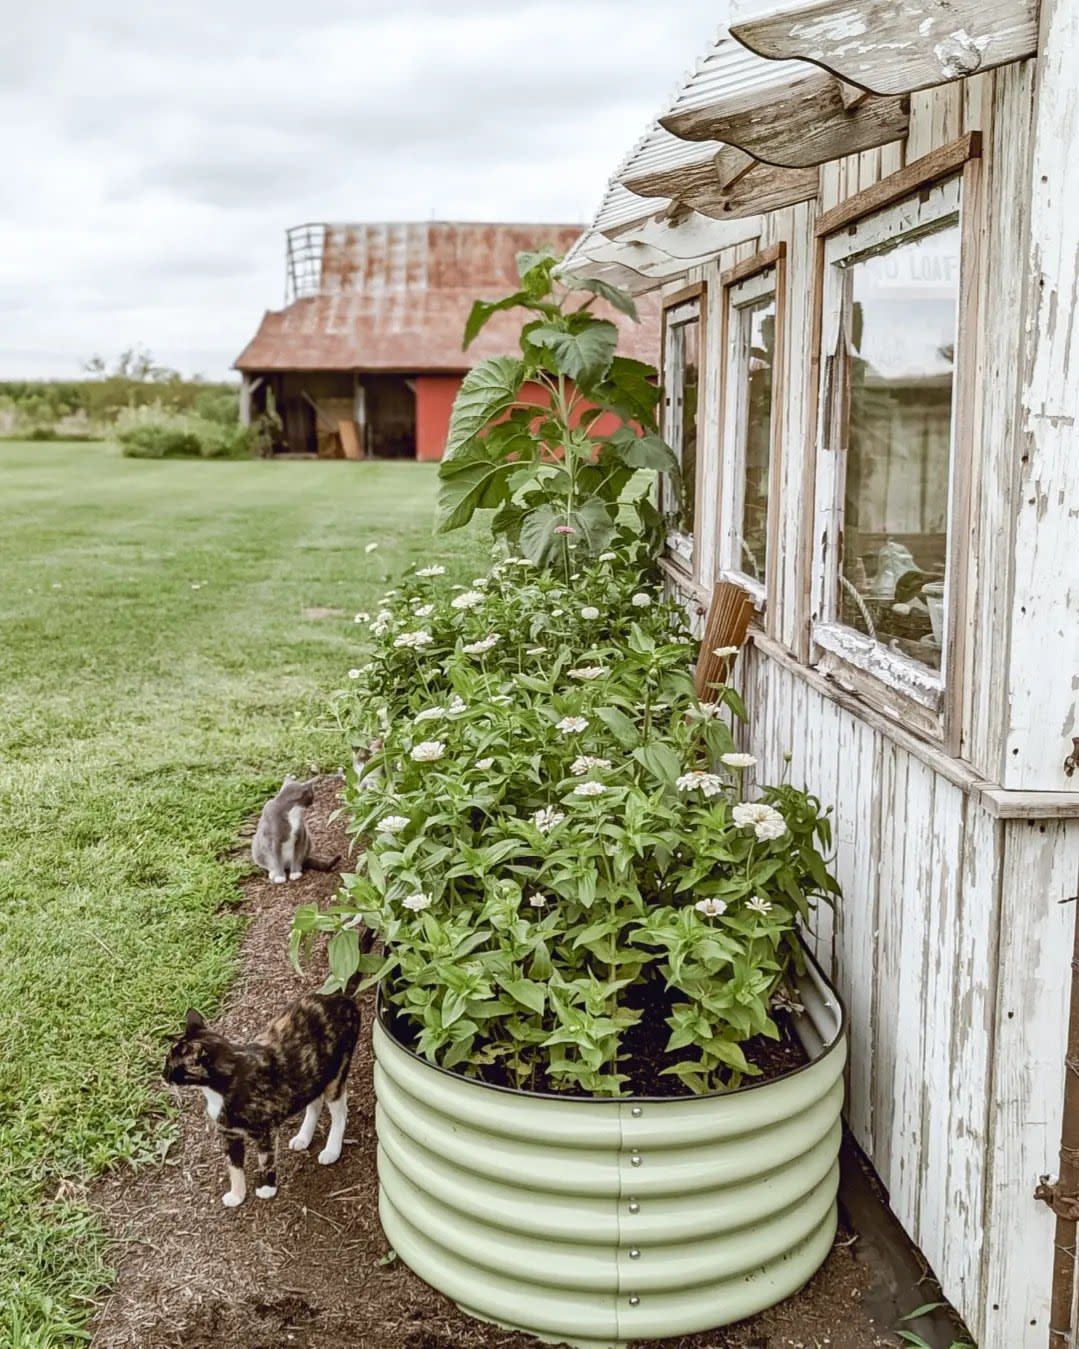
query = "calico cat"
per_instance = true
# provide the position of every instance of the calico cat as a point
(282, 844)
(299, 1061)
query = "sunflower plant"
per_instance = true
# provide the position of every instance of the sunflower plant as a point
(560, 442)
(558, 837)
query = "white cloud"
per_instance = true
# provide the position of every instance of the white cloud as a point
(158, 155)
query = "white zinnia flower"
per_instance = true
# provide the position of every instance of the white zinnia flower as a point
(414, 639)
(725, 651)
(708, 709)
(588, 672)
(430, 714)
(587, 763)
(765, 821)
(362, 618)
(711, 784)
(547, 819)
(711, 908)
(431, 571)
(467, 599)
(641, 600)
(486, 644)
(354, 673)
(427, 751)
(393, 824)
(738, 760)
(572, 725)
(456, 704)
(417, 902)
(589, 789)
(590, 612)
(759, 905)
(480, 582)
(538, 901)
(484, 764)
(608, 557)
(424, 611)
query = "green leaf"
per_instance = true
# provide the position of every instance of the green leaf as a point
(534, 267)
(631, 390)
(661, 761)
(530, 995)
(487, 390)
(621, 300)
(584, 356)
(592, 528)
(625, 732)
(645, 451)
(468, 486)
(343, 951)
(923, 1310)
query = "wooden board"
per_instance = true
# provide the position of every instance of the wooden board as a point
(763, 188)
(803, 122)
(889, 48)
(726, 626)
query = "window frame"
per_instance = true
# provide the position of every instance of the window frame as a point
(930, 701)
(744, 286)
(686, 305)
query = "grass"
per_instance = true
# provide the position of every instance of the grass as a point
(158, 676)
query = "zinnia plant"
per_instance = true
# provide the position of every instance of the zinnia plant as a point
(560, 841)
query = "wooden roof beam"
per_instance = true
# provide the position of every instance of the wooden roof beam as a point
(889, 48)
(724, 187)
(807, 120)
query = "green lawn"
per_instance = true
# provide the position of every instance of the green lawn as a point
(158, 675)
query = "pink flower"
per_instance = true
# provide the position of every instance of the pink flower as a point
(564, 529)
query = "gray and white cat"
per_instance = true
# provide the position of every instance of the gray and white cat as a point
(282, 843)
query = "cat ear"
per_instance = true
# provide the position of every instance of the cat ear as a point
(194, 1020)
(288, 778)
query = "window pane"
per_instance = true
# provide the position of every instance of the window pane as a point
(684, 358)
(759, 330)
(902, 314)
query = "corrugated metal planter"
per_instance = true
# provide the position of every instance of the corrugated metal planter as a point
(596, 1222)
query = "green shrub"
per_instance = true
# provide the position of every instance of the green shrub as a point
(556, 833)
(151, 433)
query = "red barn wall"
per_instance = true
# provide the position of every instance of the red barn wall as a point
(434, 402)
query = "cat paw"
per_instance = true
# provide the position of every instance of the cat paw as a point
(295, 875)
(328, 1156)
(231, 1200)
(277, 880)
(266, 1191)
(298, 1143)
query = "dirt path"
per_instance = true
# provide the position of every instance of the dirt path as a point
(303, 1271)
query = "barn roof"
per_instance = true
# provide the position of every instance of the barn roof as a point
(395, 297)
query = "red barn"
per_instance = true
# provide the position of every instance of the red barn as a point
(365, 359)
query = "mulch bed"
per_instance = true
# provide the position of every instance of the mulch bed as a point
(303, 1271)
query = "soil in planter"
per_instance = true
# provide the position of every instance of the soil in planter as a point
(310, 1269)
(645, 1050)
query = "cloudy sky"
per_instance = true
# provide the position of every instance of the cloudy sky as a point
(154, 157)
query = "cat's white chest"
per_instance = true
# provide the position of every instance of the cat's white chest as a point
(215, 1102)
(295, 818)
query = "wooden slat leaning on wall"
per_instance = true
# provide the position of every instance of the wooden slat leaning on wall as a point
(726, 626)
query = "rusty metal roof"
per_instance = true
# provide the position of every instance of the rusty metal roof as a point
(395, 297)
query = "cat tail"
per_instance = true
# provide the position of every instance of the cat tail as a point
(322, 863)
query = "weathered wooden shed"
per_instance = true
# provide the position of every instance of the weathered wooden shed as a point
(863, 219)
(366, 357)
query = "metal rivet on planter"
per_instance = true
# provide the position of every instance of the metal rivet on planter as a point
(634, 1207)
(635, 1160)
(635, 1301)
(636, 1112)
(634, 1254)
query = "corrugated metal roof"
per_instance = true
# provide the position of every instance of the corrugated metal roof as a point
(395, 297)
(728, 69)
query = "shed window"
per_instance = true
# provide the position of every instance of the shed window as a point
(886, 436)
(681, 382)
(748, 431)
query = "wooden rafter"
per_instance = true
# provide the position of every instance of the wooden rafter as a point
(685, 233)
(725, 187)
(891, 48)
(809, 119)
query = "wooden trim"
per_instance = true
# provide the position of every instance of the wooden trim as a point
(683, 295)
(686, 584)
(966, 434)
(924, 172)
(807, 551)
(1019, 805)
(759, 262)
(696, 291)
